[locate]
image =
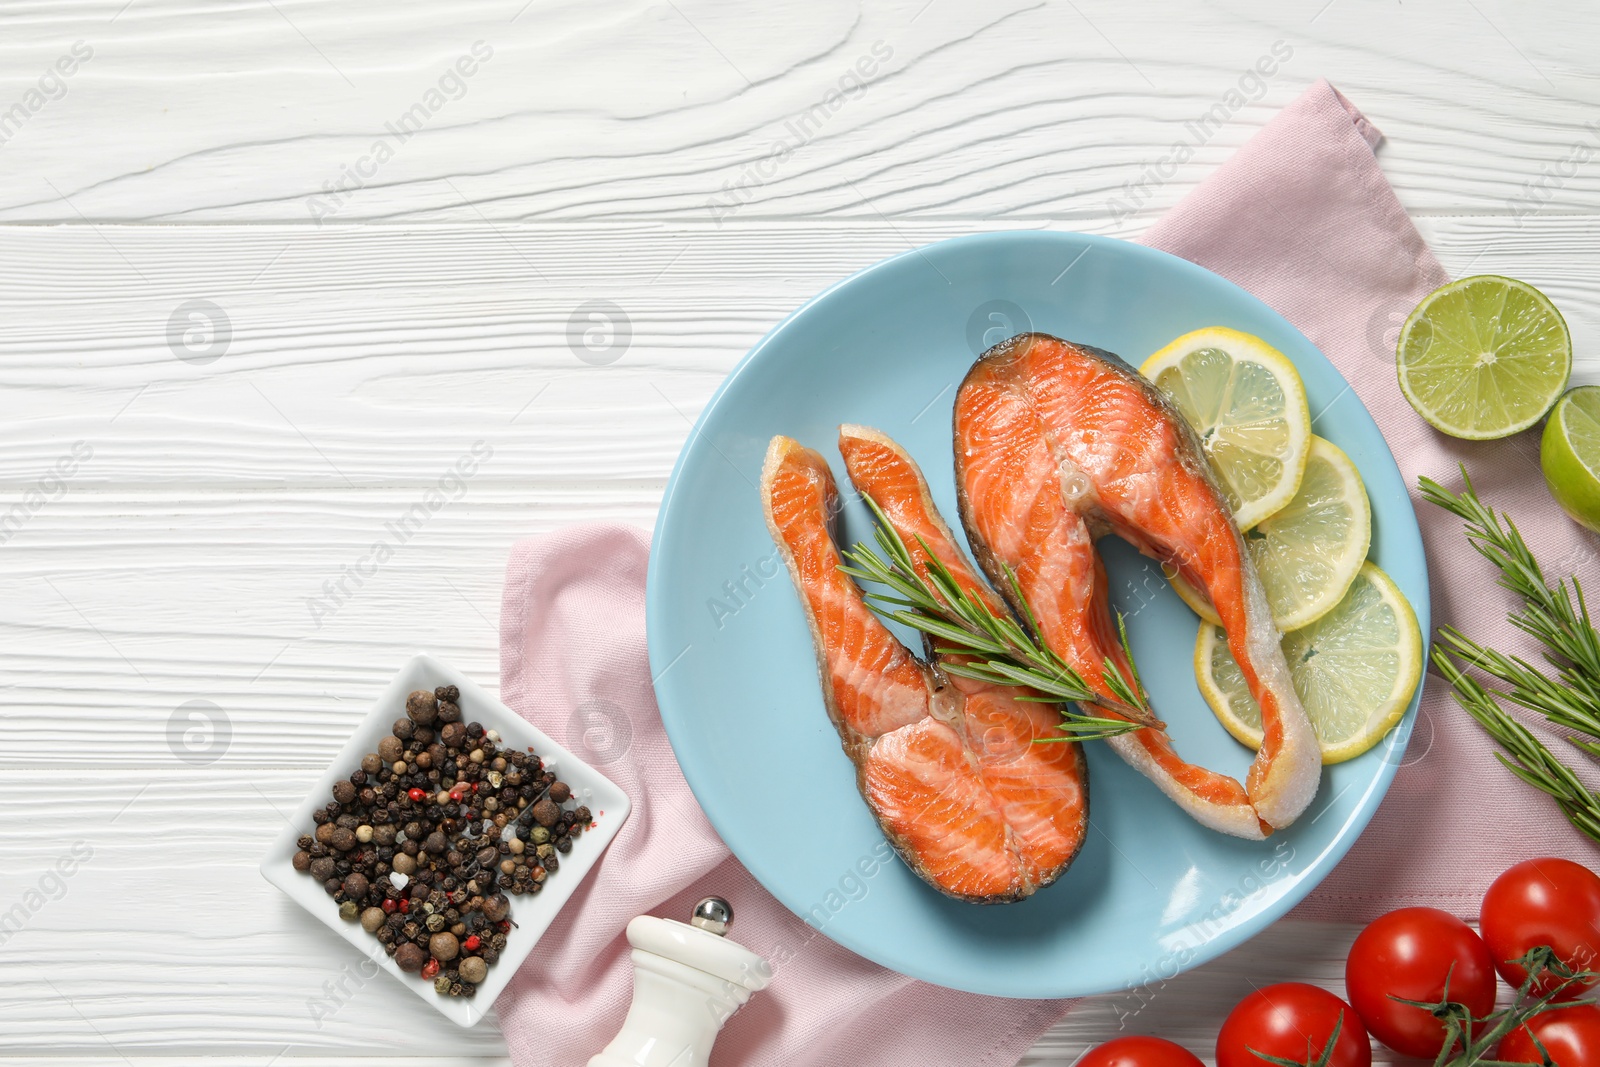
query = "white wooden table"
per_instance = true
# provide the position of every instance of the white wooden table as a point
(268, 268)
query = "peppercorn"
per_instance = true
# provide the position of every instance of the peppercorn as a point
(372, 920)
(474, 970)
(348, 911)
(302, 860)
(452, 734)
(563, 845)
(404, 864)
(356, 885)
(444, 946)
(410, 958)
(496, 908)
(449, 712)
(441, 985)
(585, 816)
(342, 839)
(343, 791)
(402, 728)
(435, 843)
(364, 833)
(322, 868)
(560, 792)
(422, 707)
(435, 923)
(546, 813)
(539, 834)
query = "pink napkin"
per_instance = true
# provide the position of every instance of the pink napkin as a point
(572, 661)
(1303, 218)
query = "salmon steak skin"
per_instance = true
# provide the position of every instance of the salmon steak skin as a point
(947, 765)
(1058, 444)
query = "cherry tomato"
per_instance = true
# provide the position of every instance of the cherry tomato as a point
(1551, 902)
(1293, 1021)
(1571, 1034)
(1140, 1052)
(1408, 953)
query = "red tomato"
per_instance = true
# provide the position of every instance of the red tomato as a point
(1551, 902)
(1408, 953)
(1140, 1052)
(1293, 1021)
(1572, 1036)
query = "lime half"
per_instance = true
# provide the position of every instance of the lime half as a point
(1570, 454)
(1354, 669)
(1484, 357)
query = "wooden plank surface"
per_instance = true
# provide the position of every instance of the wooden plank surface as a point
(227, 363)
(246, 111)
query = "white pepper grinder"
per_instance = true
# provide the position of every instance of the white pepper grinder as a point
(687, 981)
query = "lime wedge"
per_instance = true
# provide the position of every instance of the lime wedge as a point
(1484, 357)
(1354, 669)
(1246, 401)
(1570, 454)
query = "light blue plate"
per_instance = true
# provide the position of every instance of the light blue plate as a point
(1152, 893)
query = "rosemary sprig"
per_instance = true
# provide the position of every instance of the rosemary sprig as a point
(1558, 618)
(1523, 754)
(996, 648)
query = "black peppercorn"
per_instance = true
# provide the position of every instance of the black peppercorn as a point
(410, 958)
(402, 728)
(545, 812)
(422, 707)
(344, 792)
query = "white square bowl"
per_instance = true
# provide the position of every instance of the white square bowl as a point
(532, 915)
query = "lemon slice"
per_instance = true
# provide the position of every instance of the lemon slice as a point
(1355, 670)
(1309, 552)
(1570, 455)
(1484, 357)
(1247, 403)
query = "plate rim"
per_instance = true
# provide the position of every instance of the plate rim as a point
(1393, 746)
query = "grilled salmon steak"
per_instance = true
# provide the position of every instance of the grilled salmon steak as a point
(1057, 444)
(946, 764)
